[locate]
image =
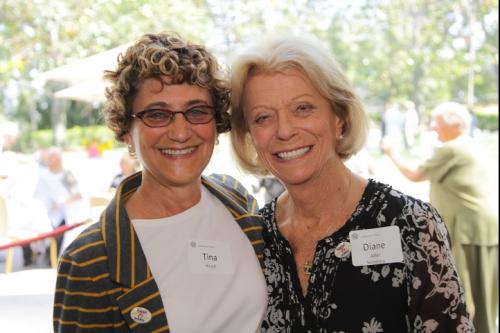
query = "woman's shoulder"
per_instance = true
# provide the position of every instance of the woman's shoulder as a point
(394, 204)
(267, 212)
(227, 184)
(90, 238)
(390, 194)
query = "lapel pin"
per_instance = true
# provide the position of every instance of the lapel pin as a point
(140, 315)
(342, 250)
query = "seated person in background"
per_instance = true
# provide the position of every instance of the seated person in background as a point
(56, 188)
(128, 165)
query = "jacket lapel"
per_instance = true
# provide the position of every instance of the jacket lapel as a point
(129, 268)
(242, 206)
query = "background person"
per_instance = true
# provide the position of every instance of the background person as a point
(57, 189)
(128, 165)
(21, 216)
(392, 124)
(461, 191)
(411, 124)
(294, 114)
(173, 251)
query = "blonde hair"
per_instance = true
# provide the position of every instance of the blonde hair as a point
(154, 56)
(278, 53)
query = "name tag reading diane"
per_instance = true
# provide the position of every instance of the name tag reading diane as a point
(376, 246)
(209, 257)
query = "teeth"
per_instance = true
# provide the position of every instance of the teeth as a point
(177, 152)
(289, 155)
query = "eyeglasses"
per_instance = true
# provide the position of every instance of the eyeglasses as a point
(197, 115)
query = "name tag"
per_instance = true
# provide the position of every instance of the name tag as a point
(376, 246)
(209, 257)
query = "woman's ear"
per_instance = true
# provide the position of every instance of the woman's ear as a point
(127, 139)
(339, 129)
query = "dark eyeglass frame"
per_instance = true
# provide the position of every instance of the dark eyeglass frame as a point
(142, 115)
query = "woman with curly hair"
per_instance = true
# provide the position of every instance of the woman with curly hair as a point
(174, 250)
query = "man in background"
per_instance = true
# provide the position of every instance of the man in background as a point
(460, 189)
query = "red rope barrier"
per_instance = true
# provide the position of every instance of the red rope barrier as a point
(56, 232)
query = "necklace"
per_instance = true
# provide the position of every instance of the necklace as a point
(307, 266)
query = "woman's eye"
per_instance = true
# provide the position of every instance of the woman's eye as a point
(304, 108)
(197, 112)
(259, 119)
(157, 115)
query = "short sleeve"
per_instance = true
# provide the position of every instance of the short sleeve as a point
(439, 165)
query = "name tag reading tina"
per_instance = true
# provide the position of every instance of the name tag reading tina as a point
(209, 257)
(376, 246)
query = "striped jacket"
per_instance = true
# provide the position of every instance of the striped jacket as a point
(103, 275)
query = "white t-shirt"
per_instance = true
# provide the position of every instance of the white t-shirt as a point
(209, 277)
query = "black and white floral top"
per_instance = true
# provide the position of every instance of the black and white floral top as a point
(420, 294)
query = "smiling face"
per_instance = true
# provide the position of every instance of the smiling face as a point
(291, 125)
(174, 155)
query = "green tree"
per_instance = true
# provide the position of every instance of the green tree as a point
(40, 35)
(423, 50)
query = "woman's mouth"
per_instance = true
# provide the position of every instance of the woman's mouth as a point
(296, 153)
(177, 152)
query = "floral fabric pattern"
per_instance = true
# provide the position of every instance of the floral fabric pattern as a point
(420, 294)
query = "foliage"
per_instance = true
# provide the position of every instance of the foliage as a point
(38, 35)
(76, 137)
(31, 141)
(487, 120)
(419, 50)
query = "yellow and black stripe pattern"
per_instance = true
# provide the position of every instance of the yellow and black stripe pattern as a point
(103, 275)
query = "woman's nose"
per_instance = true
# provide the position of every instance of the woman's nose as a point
(179, 128)
(286, 128)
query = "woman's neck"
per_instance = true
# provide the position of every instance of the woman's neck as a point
(154, 200)
(318, 200)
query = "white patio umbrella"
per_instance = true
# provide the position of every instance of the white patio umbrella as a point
(89, 91)
(84, 76)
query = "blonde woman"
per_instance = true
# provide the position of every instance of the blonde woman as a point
(342, 253)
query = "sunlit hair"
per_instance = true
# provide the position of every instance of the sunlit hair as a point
(276, 54)
(453, 114)
(154, 56)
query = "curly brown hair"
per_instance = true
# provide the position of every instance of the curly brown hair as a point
(154, 56)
